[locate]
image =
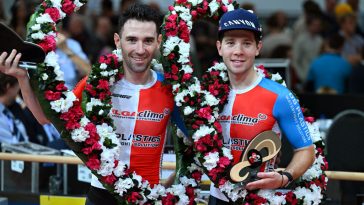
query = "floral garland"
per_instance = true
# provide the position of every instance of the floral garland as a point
(89, 134)
(200, 103)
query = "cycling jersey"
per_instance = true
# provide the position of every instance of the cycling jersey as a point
(141, 114)
(265, 105)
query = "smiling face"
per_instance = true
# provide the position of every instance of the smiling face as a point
(138, 41)
(238, 49)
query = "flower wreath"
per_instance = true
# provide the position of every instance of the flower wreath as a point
(92, 138)
(200, 102)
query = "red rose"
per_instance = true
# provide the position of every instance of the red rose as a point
(52, 96)
(224, 162)
(174, 69)
(197, 175)
(184, 34)
(90, 149)
(133, 197)
(204, 113)
(103, 85)
(310, 119)
(93, 162)
(89, 88)
(53, 13)
(217, 126)
(68, 7)
(48, 44)
(172, 17)
(169, 199)
(110, 179)
(186, 76)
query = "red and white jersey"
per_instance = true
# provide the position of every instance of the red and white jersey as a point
(141, 114)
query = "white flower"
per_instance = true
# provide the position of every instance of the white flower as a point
(44, 18)
(101, 112)
(94, 102)
(79, 135)
(276, 77)
(38, 36)
(227, 153)
(138, 178)
(44, 76)
(157, 191)
(214, 6)
(119, 170)
(170, 44)
(188, 110)
(194, 167)
(51, 59)
(186, 181)
(230, 7)
(78, 4)
(202, 131)
(179, 97)
(195, 2)
(103, 66)
(314, 131)
(104, 73)
(84, 121)
(270, 195)
(184, 51)
(57, 3)
(122, 185)
(175, 86)
(106, 167)
(59, 73)
(209, 99)
(35, 27)
(211, 160)
(117, 52)
(63, 105)
(183, 200)
(177, 189)
(187, 69)
(184, 13)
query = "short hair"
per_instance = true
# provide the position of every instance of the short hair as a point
(336, 41)
(5, 81)
(141, 12)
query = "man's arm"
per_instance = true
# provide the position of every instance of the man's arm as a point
(9, 66)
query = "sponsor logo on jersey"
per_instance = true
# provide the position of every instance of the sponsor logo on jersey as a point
(235, 143)
(121, 96)
(139, 140)
(146, 115)
(242, 119)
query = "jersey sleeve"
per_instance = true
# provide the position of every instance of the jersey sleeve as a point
(287, 111)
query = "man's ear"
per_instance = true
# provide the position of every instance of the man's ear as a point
(159, 40)
(117, 40)
(218, 46)
(259, 47)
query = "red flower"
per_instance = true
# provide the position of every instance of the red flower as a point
(310, 119)
(217, 126)
(133, 197)
(169, 199)
(52, 96)
(174, 69)
(89, 88)
(103, 85)
(184, 32)
(48, 44)
(186, 77)
(93, 162)
(224, 162)
(204, 112)
(104, 59)
(197, 175)
(68, 7)
(88, 150)
(110, 179)
(61, 87)
(291, 198)
(222, 181)
(53, 13)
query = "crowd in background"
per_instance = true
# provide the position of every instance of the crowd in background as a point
(325, 47)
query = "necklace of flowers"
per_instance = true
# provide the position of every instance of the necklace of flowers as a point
(200, 102)
(89, 134)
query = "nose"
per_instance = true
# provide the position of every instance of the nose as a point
(140, 48)
(238, 49)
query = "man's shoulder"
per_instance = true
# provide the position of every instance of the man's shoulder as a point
(274, 87)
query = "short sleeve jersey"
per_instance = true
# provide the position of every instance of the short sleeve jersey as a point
(141, 114)
(265, 105)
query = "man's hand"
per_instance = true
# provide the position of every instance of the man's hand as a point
(9, 65)
(268, 180)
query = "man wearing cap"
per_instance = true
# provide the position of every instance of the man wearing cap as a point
(270, 105)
